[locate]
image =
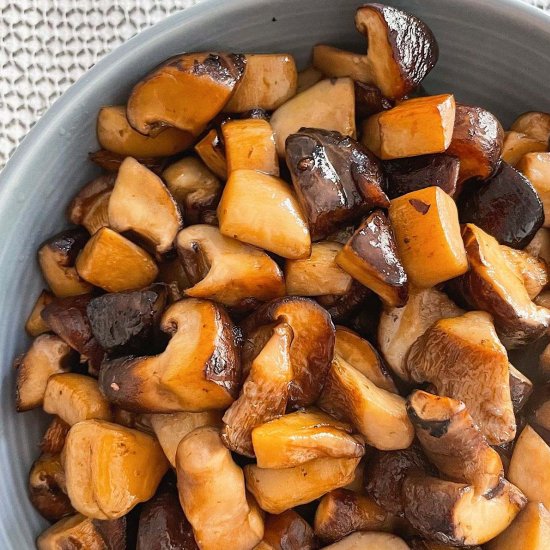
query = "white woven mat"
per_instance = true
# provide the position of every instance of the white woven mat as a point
(45, 45)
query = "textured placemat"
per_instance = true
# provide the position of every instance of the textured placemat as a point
(45, 45)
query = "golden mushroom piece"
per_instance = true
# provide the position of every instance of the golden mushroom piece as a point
(287, 531)
(35, 325)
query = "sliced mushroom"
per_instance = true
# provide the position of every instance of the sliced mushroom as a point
(328, 105)
(311, 349)
(454, 355)
(213, 494)
(198, 371)
(76, 531)
(521, 388)
(187, 91)
(534, 124)
(56, 258)
(369, 100)
(380, 416)
(401, 51)
(369, 539)
(307, 78)
(516, 145)
(336, 179)
(211, 152)
(418, 126)
(53, 439)
(35, 325)
(226, 270)
(47, 355)
(533, 271)
(110, 469)
(371, 257)
(536, 168)
(287, 531)
(114, 263)
(400, 327)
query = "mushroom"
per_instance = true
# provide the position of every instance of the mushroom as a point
(226, 270)
(534, 124)
(319, 274)
(110, 469)
(328, 105)
(454, 355)
(74, 398)
(402, 50)
(418, 126)
(249, 199)
(335, 178)
(264, 393)
(277, 490)
(345, 306)
(116, 533)
(342, 512)
(536, 168)
(110, 162)
(172, 274)
(399, 328)
(114, 263)
(427, 236)
(47, 355)
(521, 388)
(369, 100)
(141, 203)
(506, 206)
(198, 371)
(532, 270)
(302, 436)
(71, 532)
(413, 173)
(311, 349)
(212, 154)
(187, 91)
(539, 247)
(194, 187)
(56, 258)
(54, 437)
(287, 531)
(369, 539)
(269, 80)
(516, 145)
(35, 325)
(380, 416)
(213, 495)
(307, 78)
(371, 257)
(115, 134)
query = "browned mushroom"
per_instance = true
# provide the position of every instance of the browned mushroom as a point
(536, 168)
(345, 307)
(287, 531)
(71, 532)
(110, 162)
(211, 152)
(533, 123)
(172, 274)
(53, 439)
(532, 270)
(369, 100)
(521, 388)
(369, 539)
(516, 145)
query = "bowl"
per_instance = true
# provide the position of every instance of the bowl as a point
(492, 53)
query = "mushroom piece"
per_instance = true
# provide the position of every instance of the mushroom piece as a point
(427, 236)
(418, 126)
(213, 495)
(328, 105)
(335, 178)
(454, 355)
(277, 490)
(369, 539)
(187, 91)
(311, 349)
(56, 258)
(116, 533)
(380, 416)
(212, 154)
(307, 78)
(198, 371)
(110, 162)
(521, 388)
(172, 274)
(533, 123)
(516, 145)
(141, 203)
(344, 307)
(226, 270)
(536, 168)
(532, 270)
(319, 274)
(369, 100)
(302, 436)
(47, 355)
(74, 398)
(399, 328)
(453, 442)
(402, 50)
(506, 206)
(249, 199)
(540, 245)
(114, 263)
(342, 512)
(35, 325)
(53, 439)
(115, 134)
(110, 468)
(264, 393)
(287, 531)
(371, 257)
(71, 532)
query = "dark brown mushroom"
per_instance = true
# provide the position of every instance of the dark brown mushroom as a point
(369, 100)
(342, 308)
(287, 531)
(53, 439)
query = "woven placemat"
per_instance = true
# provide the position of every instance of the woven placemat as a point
(45, 45)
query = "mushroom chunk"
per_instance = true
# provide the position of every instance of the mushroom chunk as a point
(47, 355)
(402, 50)
(311, 348)
(35, 325)
(371, 257)
(187, 91)
(536, 168)
(521, 388)
(198, 371)
(213, 495)
(56, 258)
(287, 531)
(453, 443)
(307, 78)
(454, 355)
(53, 439)
(369, 100)
(226, 270)
(336, 179)
(369, 539)
(211, 152)
(302, 436)
(110, 469)
(264, 393)
(506, 206)
(532, 270)
(141, 203)
(517, 145)
(534, 124)
(76, 531)
(380, 416)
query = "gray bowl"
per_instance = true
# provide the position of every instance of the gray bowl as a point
(494, 53)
